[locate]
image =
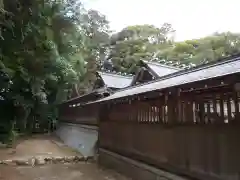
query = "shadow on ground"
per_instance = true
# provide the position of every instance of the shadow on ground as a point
(50, 146)
(80, 171)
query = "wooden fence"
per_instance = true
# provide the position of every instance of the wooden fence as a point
(191, 130)
(77, 114)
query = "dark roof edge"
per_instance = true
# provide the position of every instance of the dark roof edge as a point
(92, 92)
(224, 60)
(150, 69)
(162, 65)
(116, 75)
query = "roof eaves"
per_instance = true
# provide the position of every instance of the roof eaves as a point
(161, 65)
(179, 73)
(186, 71)
(84, 95)
(114, 74)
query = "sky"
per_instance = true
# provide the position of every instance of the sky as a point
(190, 18)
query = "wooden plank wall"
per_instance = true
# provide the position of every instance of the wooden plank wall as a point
(73, 113)
(194, 133)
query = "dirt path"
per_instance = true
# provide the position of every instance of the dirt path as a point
(43, 145)
(50, 146)
(82, 171)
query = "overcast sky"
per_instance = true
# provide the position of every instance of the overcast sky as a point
(190, 18)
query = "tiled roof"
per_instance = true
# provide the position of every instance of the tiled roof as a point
(115, 80)
(83, 97)
(204, 72)
(161, 69)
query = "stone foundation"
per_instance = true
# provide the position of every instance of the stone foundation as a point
(40, 160)
(82, 138)
(133, 169)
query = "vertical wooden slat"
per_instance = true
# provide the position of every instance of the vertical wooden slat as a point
(166, 108)
(160, 115)
(140, 113)
(126, 115)
(236, 105)
(197, 114)
(146, 110)
(129, 112)
(153, 112)
(163, 112)
(133, 111)
(195, 117)
(145, 113)
(214, 101)
(136, 111)
(215, 112)
(179, 106)
(126, 118)
(149, 113)
(222, 107)
(207, 118)
(183, 111)
(187, 111)
(201, 111)
(135, 116)
(229, 109)
(170, 110)
(190, 110)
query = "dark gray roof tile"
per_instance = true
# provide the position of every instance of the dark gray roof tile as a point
(182, 77)
(115, 80)
(161, 69)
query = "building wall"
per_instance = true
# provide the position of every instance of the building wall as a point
(132, 168)
(82, 138)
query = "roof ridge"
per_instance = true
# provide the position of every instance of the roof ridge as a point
(115, 74)
(82, 95)
(224, 60)
(160, 64)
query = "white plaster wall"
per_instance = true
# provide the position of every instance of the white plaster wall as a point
(82, 138)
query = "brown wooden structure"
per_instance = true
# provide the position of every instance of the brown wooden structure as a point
(186, 123)
(150, 70)
(74, 111)
(108, 83)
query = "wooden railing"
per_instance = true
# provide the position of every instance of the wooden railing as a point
(188, 131)
(75, 113)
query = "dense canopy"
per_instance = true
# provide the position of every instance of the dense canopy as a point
(50, 48)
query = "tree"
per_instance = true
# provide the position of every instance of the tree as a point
(44, 47)
(204, 50)
(95, 29)
(138, 42)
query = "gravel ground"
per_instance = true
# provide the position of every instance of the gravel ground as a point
(80, 171)
(45, 145)
(42, 145)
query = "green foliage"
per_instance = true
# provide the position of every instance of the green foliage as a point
(147, 42)
(43, 50)
(203, 50)
(48, 48)
(138, 42)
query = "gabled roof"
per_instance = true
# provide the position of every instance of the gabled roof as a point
(160, 70)
(88, 97)
(153, 70)
(112, 80)
(202, 72)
